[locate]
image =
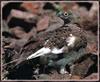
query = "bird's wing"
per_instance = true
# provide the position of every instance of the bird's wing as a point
(40, 52)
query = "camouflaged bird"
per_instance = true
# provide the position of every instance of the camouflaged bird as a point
(61, 19)
(68, 17)
(61, 40)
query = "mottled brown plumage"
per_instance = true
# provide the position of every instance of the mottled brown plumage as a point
(58, 37)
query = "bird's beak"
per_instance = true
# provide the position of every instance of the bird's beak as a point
(40, 52)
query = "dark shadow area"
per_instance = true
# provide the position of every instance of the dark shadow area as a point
(23, 72)
(8, 35)
(48, 6)
(94, 67)
(20, 22)
(85, 4)
(9, 6)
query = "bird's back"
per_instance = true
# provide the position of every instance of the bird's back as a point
(58, 37)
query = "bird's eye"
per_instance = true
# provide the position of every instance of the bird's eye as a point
(65, 14)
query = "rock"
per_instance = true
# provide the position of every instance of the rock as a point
(43, 77)
(32, 7)
(21, 15)
(18, 32)
(5, 26)
(43, 23)
(81, 69)
(94, 9)
(76, 77)
(93, 76)
(91, 48)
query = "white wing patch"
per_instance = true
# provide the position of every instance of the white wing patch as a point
(63, 71)
(71, 40)
(44, 51)
(57, 51)
(40, 52)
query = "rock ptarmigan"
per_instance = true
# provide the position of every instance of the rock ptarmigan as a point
(62, 40)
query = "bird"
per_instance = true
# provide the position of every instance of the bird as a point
(61, 40)
(69, 16)
(62, 18)
(66, 16)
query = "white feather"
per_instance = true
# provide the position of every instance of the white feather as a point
(57, 51)
(44, 51)
(63, 71)
(40, 52)
(71, 40)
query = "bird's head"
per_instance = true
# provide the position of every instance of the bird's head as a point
(69, 16)
(66, 16)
